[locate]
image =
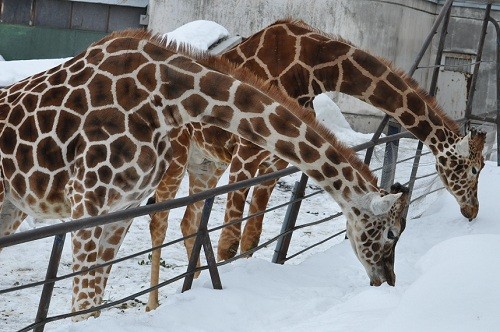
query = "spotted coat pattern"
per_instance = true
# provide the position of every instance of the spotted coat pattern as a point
(94, 135)
(305, 62)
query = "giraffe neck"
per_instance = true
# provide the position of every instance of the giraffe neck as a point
(308, 63)
(187, 93)
(291, 135)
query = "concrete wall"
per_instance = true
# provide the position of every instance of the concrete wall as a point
(464, 33)
(393, 29)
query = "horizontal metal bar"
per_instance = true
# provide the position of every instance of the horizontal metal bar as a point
(481, 118)
(331, 237)
(386, 139)
(455, 66)
(425, 194)
(65, 227)
(43, 232)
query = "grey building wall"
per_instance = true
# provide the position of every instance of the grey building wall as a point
(393, 29)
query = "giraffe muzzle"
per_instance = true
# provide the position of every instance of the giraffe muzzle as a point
(384, 272)
(388, 276)
(470, 211)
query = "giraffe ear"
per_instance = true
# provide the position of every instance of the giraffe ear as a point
(462, 147)
(382, 204)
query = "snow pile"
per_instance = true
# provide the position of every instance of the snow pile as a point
(16, 70)
(457, 291)
(447, 280)
(199, 34)
(330, 115)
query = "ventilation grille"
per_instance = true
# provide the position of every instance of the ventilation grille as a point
(458, 63)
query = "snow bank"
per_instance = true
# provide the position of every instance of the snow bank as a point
(457, 291)
(330, 115)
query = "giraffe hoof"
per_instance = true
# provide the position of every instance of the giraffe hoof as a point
(230, 252)
(151, 307)
(80, 318)
(247, 249)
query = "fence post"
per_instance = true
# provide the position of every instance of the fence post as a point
(390, 157)
(289, 222)
(55, 258)
(497, 67)
(479, 54)
(444, 11)
(203, 239)
(374, 139)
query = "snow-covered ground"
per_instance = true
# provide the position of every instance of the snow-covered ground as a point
(447, 269)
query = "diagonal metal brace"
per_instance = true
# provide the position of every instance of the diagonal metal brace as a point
(203, 239)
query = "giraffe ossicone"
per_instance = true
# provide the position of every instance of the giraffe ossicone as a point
(93, 136)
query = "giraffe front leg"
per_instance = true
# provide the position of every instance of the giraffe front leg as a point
(260, 198)
(205, 177)
(85, 249)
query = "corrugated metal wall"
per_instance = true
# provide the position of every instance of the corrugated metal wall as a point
(32, 29)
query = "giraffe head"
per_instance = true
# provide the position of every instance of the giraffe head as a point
(374, 232)
(459, 168)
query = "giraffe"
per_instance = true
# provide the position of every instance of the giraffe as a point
(304, 62)
(93, 135)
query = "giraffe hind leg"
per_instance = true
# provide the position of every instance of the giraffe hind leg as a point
(260, 198)
(253, 227)
(110, 240)
(10, 217)
(205, 177)
(229, 239)
(158, 227)
(167, 189)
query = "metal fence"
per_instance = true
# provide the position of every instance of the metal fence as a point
(282, 240)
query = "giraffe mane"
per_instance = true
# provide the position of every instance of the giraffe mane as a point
(411, 82)
(224, 66)
(243, 74)
(129, 33)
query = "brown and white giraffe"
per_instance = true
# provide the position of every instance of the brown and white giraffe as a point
(92, 136)
(304, 62)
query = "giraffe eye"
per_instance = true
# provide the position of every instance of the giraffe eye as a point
(474, 170)
(390, 235)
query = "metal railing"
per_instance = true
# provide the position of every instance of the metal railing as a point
(58, 231)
